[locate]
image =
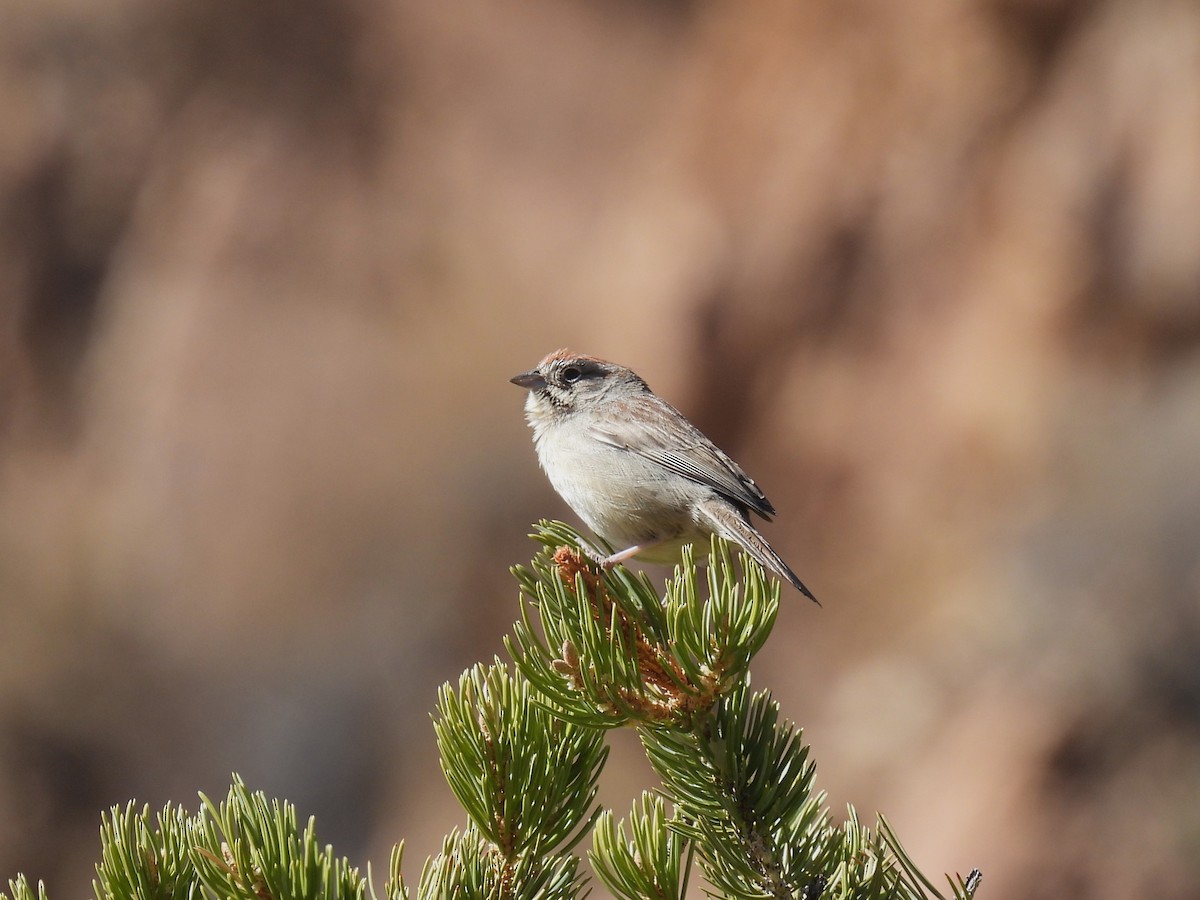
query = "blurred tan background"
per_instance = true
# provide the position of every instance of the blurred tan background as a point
(929, 270)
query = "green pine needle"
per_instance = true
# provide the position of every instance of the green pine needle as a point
(678, 668)
(647, 861)
(523, 751)
(470, 866)
(146, 858)
(19, 888)
(526, 778)
(395, 887)
(249, 848)
(604, 649)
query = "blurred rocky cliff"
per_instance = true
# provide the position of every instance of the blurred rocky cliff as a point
(929, 270)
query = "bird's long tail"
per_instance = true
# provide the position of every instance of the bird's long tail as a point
(734, 525)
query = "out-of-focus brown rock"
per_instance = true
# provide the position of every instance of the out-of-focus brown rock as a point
(928, 270)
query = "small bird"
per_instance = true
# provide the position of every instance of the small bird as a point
(634, 469)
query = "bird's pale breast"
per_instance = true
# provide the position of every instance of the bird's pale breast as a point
(622, 497)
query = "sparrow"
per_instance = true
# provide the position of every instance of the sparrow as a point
(635, 470)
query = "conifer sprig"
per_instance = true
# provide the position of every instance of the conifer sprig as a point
(249, 848)
(147, 858)
(471, 866)
(523, 750)
(649, 861)
(527, 780)
(742, 786)
(607, 650)
(737, 774)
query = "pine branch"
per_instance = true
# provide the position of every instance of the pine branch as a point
(621, 653)
(251, 849)
(527, 780)
(472, 866)
(523, 750)
(743, 787)
(147, 858)
(737, 774)
(648, 862)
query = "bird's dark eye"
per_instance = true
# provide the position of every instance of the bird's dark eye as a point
(572, 374)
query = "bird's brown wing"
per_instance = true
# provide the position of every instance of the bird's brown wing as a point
(662, 435)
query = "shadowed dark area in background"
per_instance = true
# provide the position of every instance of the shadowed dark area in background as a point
(929, 271)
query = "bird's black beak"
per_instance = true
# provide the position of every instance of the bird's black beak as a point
(531, 380)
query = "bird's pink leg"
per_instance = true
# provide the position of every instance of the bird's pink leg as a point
(607, 562)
